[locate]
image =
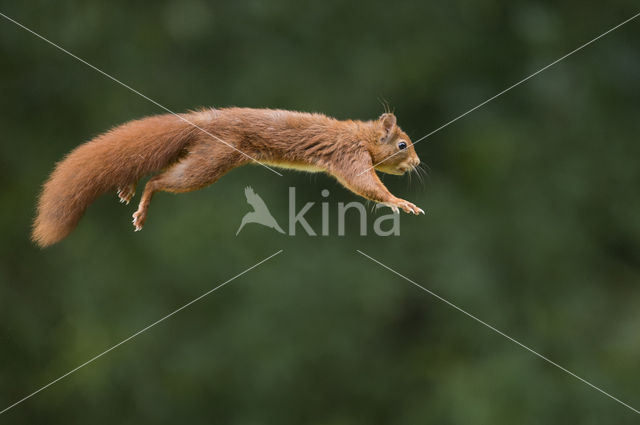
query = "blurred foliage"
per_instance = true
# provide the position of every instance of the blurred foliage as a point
(532, 220)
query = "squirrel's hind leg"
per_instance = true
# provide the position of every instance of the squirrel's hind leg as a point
(191, 173)
(126, 193)
(140, 216)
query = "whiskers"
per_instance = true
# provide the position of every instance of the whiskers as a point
(420, 172)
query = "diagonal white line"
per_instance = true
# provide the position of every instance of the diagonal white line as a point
(136, 91)
(510, 87)
(499, 332)
(139, 332)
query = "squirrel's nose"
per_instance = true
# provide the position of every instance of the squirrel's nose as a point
(416, 162)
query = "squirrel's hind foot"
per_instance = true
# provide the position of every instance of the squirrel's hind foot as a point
(126, 193)
(139, 218)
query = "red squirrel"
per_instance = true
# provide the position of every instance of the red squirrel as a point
(187, 158)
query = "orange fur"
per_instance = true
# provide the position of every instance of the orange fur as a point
(189, 159)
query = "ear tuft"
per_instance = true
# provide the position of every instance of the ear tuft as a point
(388, 121)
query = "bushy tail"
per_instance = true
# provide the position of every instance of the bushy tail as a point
(114, 159)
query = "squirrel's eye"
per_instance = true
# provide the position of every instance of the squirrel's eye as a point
(402, 145)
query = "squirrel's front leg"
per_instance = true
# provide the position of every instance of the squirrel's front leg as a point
(368, 185)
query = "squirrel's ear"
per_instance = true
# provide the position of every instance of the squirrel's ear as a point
(388, 122)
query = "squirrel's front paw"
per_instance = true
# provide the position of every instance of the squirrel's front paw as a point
(407, 206)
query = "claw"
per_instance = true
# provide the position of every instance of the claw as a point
(136, 223)
(126, 193)
(406, 206)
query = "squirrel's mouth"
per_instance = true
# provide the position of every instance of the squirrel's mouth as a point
(397, 171)
(404, 168)
(409, 165)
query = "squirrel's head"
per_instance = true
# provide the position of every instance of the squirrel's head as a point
(392, 151)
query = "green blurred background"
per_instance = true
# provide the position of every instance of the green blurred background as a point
(532, 218)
